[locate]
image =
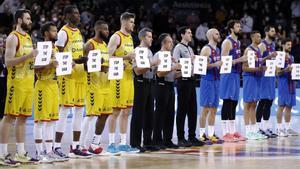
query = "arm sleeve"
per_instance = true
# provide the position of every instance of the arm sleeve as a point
(61, 38)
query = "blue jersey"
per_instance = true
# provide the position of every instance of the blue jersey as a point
(213, 73)
(268, 84)
(258, 62)
(235, 52)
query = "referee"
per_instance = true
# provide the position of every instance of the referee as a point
(186, 89)
(164, 99)
(143, 107)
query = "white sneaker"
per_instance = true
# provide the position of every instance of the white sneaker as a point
(291, 132)
(281, 133)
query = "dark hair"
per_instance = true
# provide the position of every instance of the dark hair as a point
(182, 30)
(254, 32)
(46, 27)
(142, 32)
(286, 40)
(19, 14)
(69, 9)
(127, 15)
(162, 37)
(230, 24)
(268, 28)
(99, 22)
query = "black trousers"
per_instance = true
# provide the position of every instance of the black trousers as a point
(2, 95)
(142, 113)
(187, 106)
(164, 113)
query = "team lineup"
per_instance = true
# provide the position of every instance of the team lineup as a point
(145, 92)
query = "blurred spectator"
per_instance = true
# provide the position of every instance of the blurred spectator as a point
(247, 23)
(201, 33)
(295, 8)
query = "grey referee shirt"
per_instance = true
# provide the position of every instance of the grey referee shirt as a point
(170, 76)
(149, 74)
(183, 51)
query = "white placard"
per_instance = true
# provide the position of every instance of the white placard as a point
(44, 56)
(295, 71)
(94, 61)
(165, 61)
(116, 68)
(141, 57)
(200, 65)
(271, 68)
(251, 58)
(186, 67)
(227, 64)
(280, 59)
(64, 60)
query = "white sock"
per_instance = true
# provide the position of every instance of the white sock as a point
(279, 126)
(48, 146)
(96, 139)
(75, 144)
(211, 131)
(20, 148)
(264, 124)
(202, 131)
(57, 144)
(39, 147)
(224, 127)
(123, 139)
(287, 125)
(3, 150)
(232, 129)
(111, 137)
(247, 129)
(260, 125)
(254, 128)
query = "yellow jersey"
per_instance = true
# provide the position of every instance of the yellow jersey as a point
(125, 47)
(48, 74)
(74, 45)
(22, 72)
(100, 79)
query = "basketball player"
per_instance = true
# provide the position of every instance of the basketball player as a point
(72, 87)
(186, 89)
(46, 101)
(165, 99)
(19, 56)
(230, 83)
(251, 82)
(286, 92)
(209, 87)
(121, 45)
(99, 103)
(267, 85)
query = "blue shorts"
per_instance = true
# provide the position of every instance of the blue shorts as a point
(251, 88)
(285, 97)
(209, 93)
(267, 88)
(230, 86)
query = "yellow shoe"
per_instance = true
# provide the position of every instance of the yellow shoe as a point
(24, 158)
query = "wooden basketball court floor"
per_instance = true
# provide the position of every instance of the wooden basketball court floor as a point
(276, 153)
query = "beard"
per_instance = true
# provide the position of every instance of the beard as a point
(26, 27)
(272, 37)
(102, 36)
(237, 33)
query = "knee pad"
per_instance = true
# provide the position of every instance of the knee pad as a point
(62, 121)
(77, 118)
(49, 130)
(38, 130)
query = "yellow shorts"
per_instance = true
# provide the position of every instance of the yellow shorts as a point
(98, 102)
(123, 91)
(46, 100)
(18, 100)
(71, 92)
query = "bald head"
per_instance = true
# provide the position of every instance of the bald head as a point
(213, 35)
